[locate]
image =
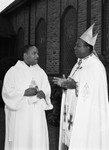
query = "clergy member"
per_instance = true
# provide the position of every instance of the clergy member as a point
(26, 94)
(84, 123)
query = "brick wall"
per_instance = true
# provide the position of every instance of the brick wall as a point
(82, 16)
(38, 11)
(55, 10)
(51, 11)
(32, 22)
(96, 16)
(53, 36)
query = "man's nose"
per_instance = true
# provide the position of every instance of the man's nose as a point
(37, 56)
(75, 48)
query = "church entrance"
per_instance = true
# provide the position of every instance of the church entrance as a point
(68, 39)
(40, 42)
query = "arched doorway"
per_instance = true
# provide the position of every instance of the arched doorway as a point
(20, 43)
(68, 39)
(40, 42)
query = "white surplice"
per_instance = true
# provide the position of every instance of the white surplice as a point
(26, 126)
(89, 124)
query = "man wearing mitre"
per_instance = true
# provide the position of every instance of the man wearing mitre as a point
(84, 123)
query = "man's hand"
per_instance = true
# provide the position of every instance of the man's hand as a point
(58, 80)
(40, 94)
(69, 84)
(30, 92)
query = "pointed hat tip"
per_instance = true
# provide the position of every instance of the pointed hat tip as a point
(88, 37)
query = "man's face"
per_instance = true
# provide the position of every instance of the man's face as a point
(81, 49)
(32, 56)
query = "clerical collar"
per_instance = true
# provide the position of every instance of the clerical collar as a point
(27, 64)
(80, 60)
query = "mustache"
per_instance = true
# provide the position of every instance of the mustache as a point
(37, 58)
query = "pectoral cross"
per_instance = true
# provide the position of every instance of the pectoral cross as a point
(70, 122)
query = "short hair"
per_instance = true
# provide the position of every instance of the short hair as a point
(26, 48)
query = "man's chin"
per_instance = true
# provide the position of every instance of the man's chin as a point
(36, 62)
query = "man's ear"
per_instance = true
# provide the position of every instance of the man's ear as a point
(88, 48)
(24, 56)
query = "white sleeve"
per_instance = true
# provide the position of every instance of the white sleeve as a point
(12, 97)
(46, 88)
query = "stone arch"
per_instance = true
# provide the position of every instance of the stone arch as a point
(20, 43)
(41, 41)
(68, 39)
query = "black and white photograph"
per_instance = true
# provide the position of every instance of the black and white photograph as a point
(54, 74)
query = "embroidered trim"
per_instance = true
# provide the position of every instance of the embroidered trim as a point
(77, 89)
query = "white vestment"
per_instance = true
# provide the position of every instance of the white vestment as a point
(26, 127)
(88, 110)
